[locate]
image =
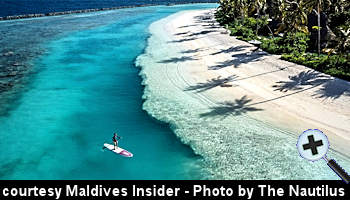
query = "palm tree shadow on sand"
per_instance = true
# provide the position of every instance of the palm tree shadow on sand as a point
(186, 26)
(333, 89)
(211, 83)
(241, 58)
(297, 82)
(202, 33)
(192, 50)
(182, 40)
(232, 49)
(177, 59)
(205, 18)
(182, 33)
(227, 108)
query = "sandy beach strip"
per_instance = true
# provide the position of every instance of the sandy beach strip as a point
(226, 81)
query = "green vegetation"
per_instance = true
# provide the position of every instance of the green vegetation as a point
(314, 33)
(291, 43)
(245, 28)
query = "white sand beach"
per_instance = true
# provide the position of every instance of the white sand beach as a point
(242, 109)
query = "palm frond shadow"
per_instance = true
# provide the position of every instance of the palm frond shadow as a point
(186, 26)
(202, 33)
(212, 83)
(204, 17)
(227, 108)
(177, 59)
(231, 49)
(182, 40)
(213, 25)
(297, 82)
(224, 64)
(241, 58)
(182, 33)
(333, 89)
(191, 51)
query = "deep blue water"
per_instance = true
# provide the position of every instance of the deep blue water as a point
(82, 89)
(20, 7)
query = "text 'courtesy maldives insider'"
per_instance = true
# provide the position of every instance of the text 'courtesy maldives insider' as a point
(163, 191)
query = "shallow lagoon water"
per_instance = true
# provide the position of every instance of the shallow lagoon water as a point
(85, 87)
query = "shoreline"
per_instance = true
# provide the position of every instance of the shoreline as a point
(38, 15)
(213, 101)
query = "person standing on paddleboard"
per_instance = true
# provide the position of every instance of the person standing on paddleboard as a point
(115, 140)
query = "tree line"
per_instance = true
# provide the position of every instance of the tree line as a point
(315, 33)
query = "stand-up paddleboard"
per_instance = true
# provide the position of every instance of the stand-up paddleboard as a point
(118, 150)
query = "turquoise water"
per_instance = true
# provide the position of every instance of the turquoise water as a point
(85, 87)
